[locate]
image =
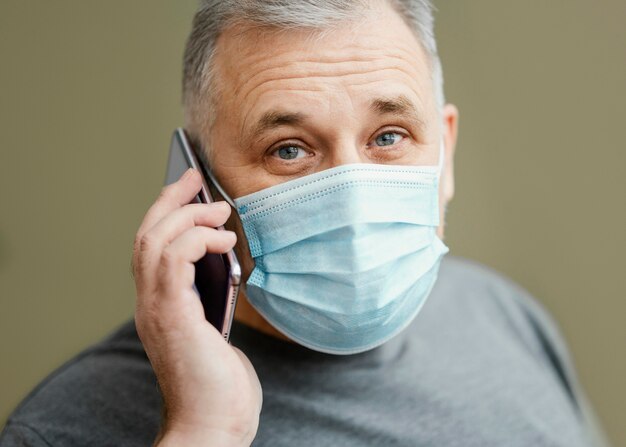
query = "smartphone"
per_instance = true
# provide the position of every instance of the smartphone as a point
(217, 276)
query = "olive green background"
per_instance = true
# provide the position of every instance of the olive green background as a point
(89, 95)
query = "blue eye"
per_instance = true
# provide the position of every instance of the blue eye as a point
(388, 138)
(290, 152)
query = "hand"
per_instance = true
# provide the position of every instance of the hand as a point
(211, 394)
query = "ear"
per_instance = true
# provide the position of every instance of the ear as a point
(450, 115)
(450, 122)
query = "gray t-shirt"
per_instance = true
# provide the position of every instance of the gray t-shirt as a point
(481, 365)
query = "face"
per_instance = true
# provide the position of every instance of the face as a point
(293, 103)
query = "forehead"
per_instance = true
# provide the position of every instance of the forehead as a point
(379, 51)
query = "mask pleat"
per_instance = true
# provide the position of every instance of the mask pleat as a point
(347, 333)
(355, 292)
(288, 223)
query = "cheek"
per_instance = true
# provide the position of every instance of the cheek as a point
(243, 180)
(239, 170)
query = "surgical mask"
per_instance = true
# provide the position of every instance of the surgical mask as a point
(344, 258)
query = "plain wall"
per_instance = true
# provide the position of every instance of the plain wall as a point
(89, 95)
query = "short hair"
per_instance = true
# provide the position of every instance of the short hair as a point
(214, 16)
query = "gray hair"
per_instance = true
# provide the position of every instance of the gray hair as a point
(214, 16)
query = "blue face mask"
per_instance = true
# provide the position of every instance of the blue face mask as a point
(344, 258)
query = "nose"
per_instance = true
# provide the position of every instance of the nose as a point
(345, 152)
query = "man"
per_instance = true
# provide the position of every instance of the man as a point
(326, 127)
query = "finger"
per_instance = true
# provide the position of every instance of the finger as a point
(180, 192)
(173, 225)
(176, 270)
(171, 197)
(189, 216)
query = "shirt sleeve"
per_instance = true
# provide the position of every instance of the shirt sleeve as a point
(558, 354)
(20, 435)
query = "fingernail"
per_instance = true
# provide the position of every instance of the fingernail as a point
(187, 174)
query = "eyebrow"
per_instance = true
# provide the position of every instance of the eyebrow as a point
(275, 118)
(398, 105)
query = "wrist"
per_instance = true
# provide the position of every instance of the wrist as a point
(204, 438)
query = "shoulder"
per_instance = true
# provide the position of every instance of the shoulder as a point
(507, 306)
(466, 279)
(106, 395)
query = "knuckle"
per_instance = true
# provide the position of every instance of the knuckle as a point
(188, 221)
(137, 241)
(169, 258)
(204, 232)
(133, 268)
(146, 242)
(200, 211)
(136, 248)
(211, 238)
(165, 192)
